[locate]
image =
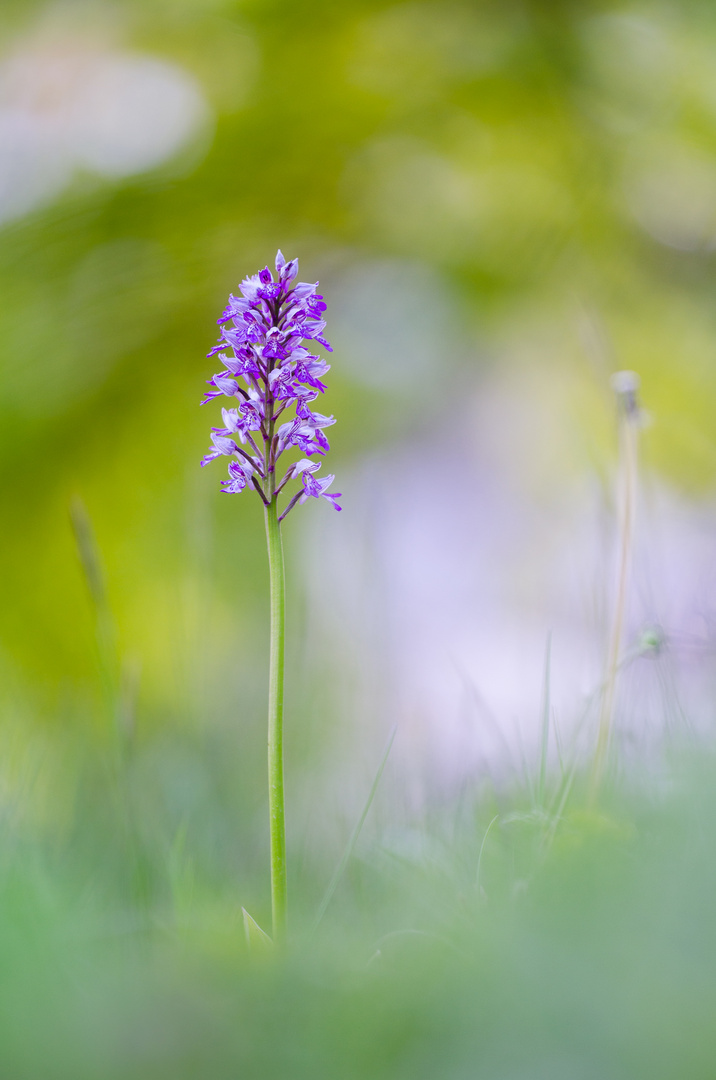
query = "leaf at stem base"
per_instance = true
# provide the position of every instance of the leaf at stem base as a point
(257, 940)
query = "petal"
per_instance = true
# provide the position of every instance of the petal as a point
(303, 289)
(318, 420)
(250, 287)
(223, 445)
(289, 271)
(231, 419)
(304, 466)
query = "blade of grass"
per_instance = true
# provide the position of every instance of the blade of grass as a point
(338, 872)
(557, 816)
(525, 766)
(482, 848)
(558, 747)
(257, 940)
(545, 720)
(105, 629)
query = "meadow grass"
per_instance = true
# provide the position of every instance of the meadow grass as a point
(487, 934)
(534, 928)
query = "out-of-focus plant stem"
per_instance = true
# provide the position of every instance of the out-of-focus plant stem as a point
(625, 384)
(119, 687)
(105, 629)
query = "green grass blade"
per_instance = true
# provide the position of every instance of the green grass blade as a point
(545, 721)
(338, 872)
(257, 940)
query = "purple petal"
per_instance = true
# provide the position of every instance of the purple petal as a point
(250, 287)
(289, 271)
(302, 290)
(231, 419)
(225, 383)
(223, 444)
(304, 466)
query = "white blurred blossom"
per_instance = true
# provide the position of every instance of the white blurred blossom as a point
(69, 104)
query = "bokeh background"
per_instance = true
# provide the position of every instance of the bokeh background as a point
(505, 203)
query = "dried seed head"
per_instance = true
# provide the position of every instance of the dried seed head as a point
(625, 385)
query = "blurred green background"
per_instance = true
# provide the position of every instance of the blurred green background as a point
(515, 186)
(552, 164)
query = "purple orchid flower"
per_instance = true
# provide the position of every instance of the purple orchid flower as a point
(272, 379)
(222, 446)
(240, 473)
(313, 486)
(316, 487)
(270, 373)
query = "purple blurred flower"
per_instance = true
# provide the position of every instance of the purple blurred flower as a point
(269, 371)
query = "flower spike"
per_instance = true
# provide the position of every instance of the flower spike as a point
(269, 372)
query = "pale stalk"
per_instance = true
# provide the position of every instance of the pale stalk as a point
(628, 446)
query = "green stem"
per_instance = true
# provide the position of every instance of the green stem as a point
(275, 722)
